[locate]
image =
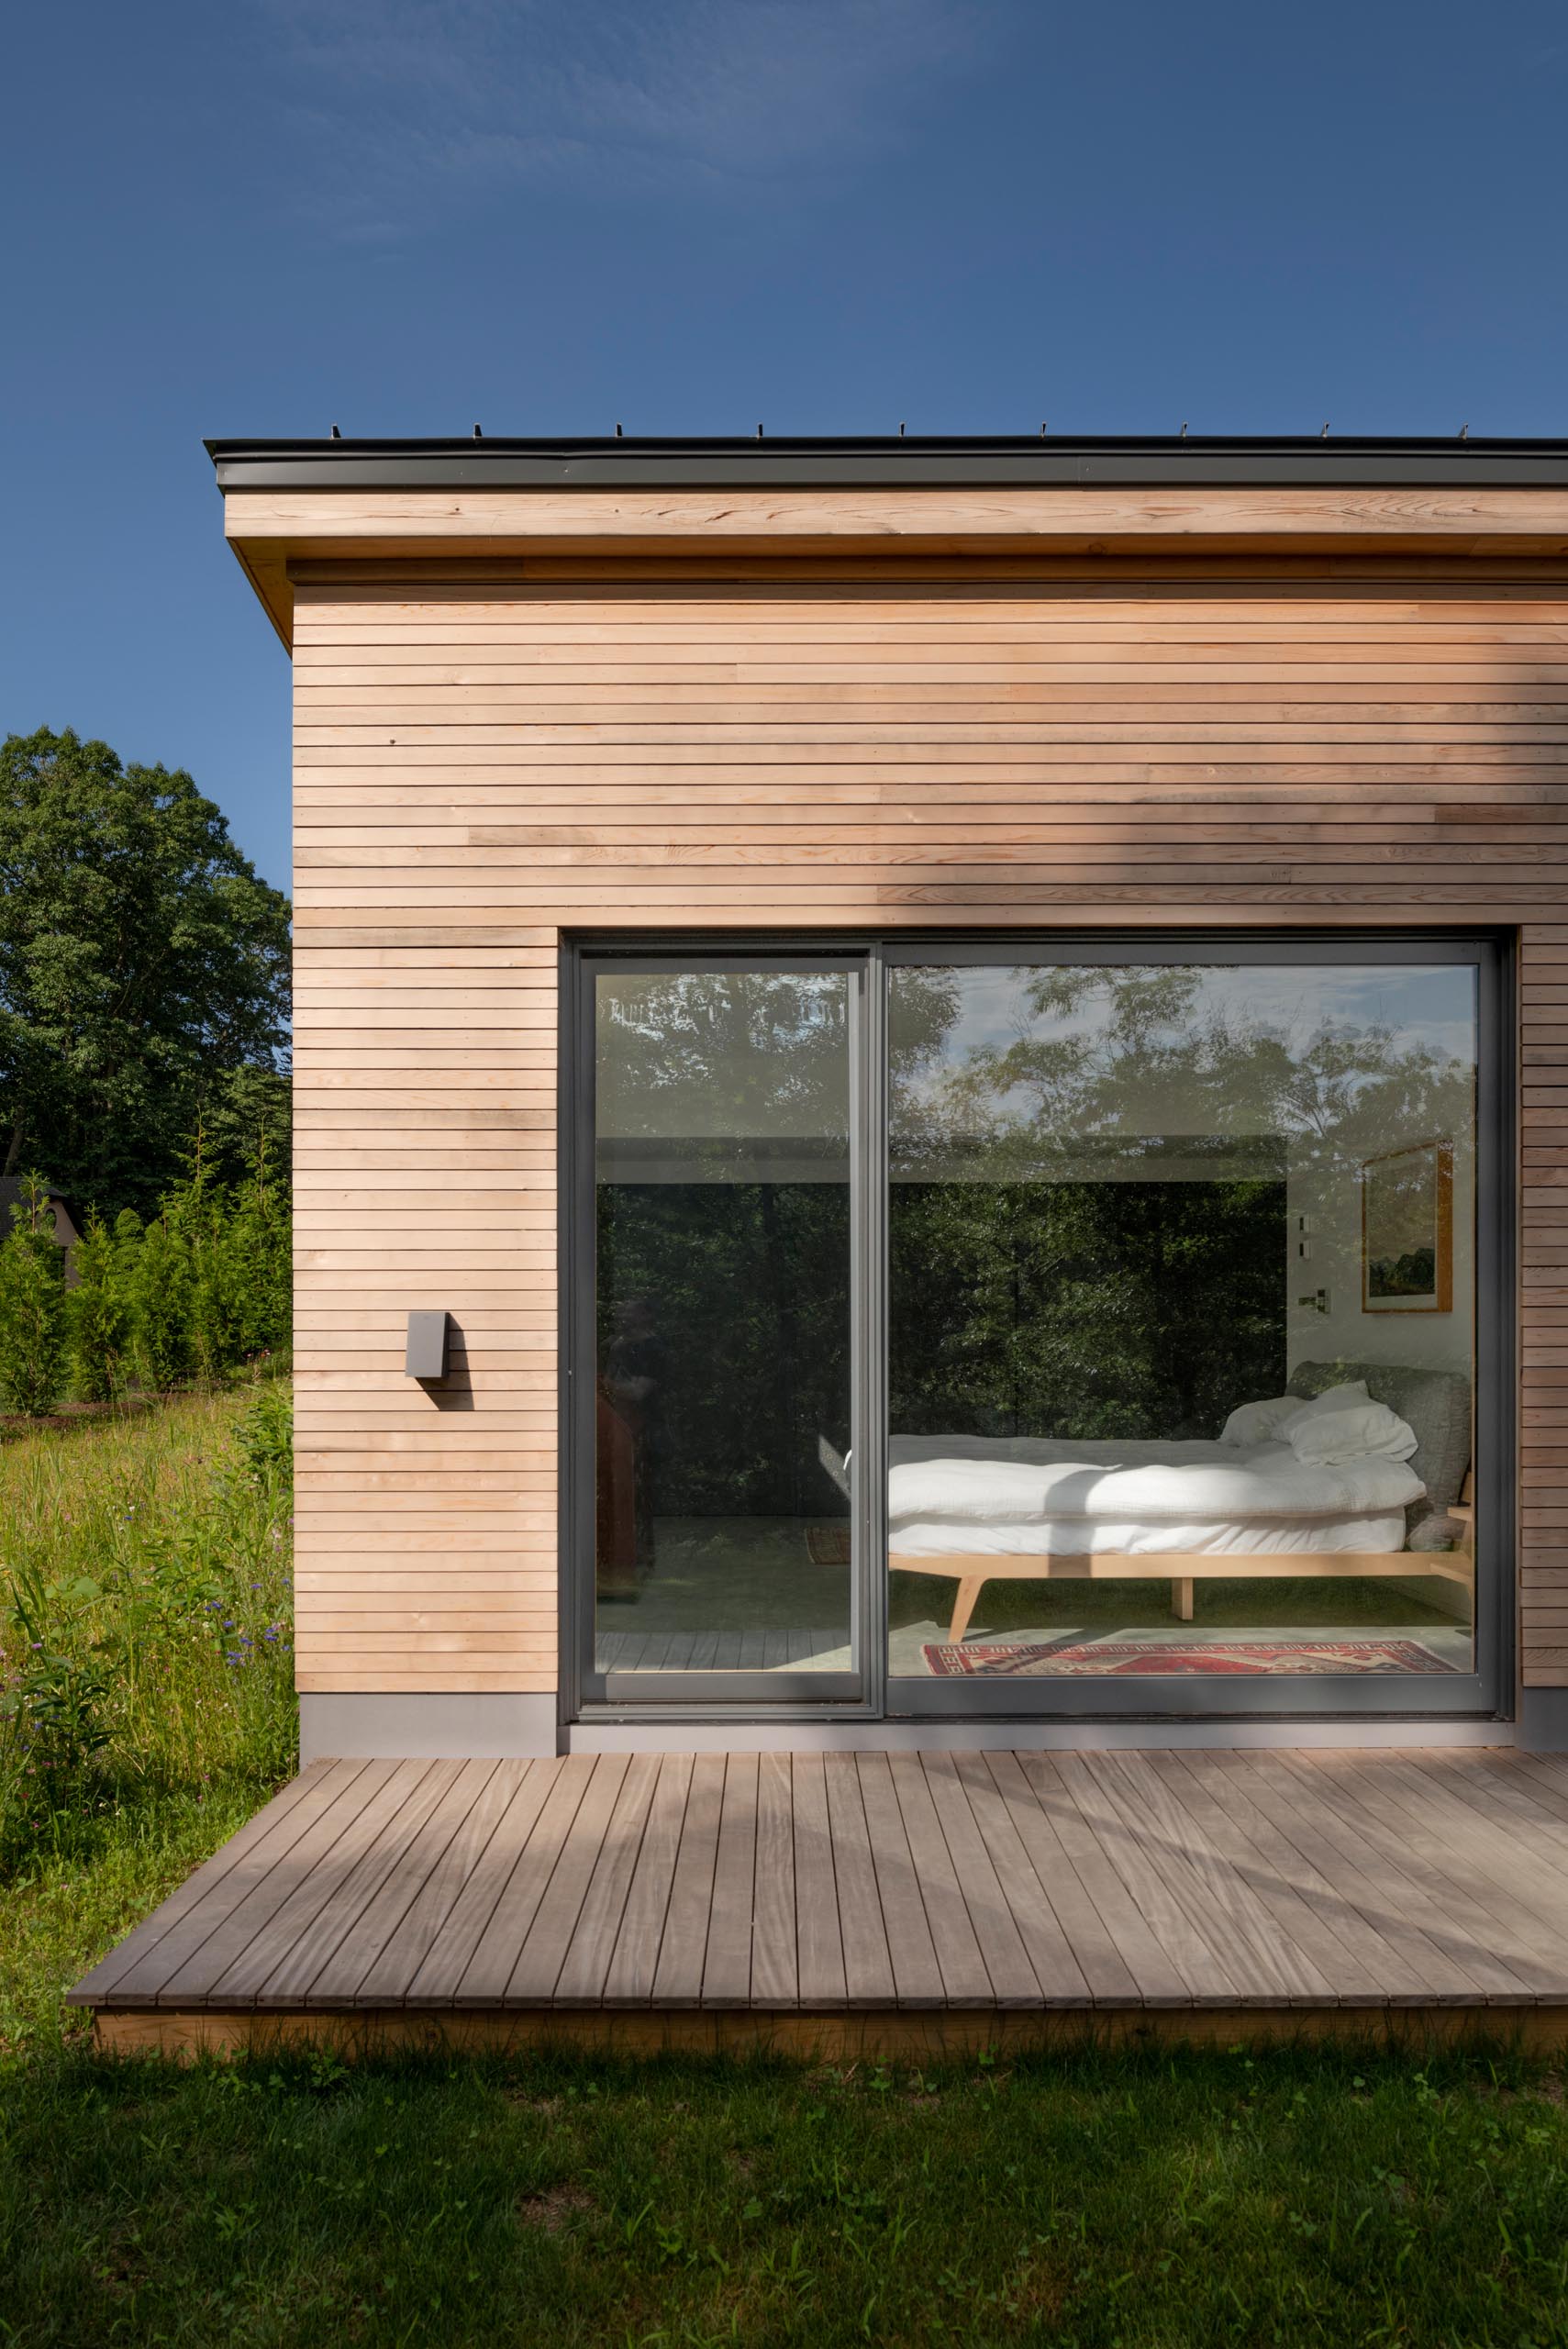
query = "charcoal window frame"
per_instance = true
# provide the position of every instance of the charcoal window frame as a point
(868, 1693)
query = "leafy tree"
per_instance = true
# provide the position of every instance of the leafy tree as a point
(32, 1306)
(143, 971)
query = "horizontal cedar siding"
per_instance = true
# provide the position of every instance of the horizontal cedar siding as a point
(481, 764)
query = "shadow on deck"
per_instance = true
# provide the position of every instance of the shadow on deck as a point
(860, 1904)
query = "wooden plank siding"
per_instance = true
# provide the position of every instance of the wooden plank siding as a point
(486, 758)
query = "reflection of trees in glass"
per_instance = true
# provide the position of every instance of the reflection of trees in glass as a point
(1028, 1297)
(739, 1286)
(1090, 1045)
(744, 1053)
(1084, 1309)
(724, 1054)
(740, 1294)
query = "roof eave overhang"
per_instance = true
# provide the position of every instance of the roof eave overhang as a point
(290, 503)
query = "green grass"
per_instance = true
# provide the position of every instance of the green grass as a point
(1295, 2198)
(148, 1684)
(1300, 2199)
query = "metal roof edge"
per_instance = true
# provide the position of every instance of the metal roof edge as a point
(887, 463)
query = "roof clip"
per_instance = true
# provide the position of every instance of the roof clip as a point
(1324, 434)
(617, 432)
(759, 431)
(1183, 431)
(477, 434)
(1464, 431)
(336, 434)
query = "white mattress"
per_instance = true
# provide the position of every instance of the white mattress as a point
(1023, 1495)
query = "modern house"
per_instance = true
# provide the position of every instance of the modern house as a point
(932, 1145)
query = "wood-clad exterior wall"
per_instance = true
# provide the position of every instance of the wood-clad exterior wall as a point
(491, 753)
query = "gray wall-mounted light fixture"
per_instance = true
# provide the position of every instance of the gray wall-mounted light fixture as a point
(427, 1355)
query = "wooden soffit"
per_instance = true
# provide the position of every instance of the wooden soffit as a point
(274, 532)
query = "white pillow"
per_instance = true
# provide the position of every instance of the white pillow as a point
(1259, 1422)
(1333, 1399)
(1359, 1431)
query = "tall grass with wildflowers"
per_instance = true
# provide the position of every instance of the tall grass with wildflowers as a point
(146, 1655)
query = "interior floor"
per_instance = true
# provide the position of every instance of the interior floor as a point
(750, 1594)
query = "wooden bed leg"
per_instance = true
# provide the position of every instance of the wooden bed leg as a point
(963, 1606)
(1181, 1596)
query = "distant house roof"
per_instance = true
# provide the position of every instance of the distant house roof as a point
(772, 461)
(68, 1218)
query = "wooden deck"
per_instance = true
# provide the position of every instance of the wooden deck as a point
(867, 1902)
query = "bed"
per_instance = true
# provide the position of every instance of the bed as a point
(977, 1509)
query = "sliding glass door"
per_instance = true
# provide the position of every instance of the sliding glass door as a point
(725, 1178)
(1063, 1327)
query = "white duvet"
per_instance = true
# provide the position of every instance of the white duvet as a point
(1006, 1494)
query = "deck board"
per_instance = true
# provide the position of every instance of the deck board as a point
(1156, 1980)
(1416, 1965)
(916, 1977)
(371, 1902)
(907, 1892)
(775, 1978)
(1014, 1981)
(543, 1953)
(435, 1983)
(1133, 1850)
(230, 1872)
(393, 1973)
(324, 1901)
(489, 1971)
(587, 1960)
(1105, 1971)
(727, 1964)
(635, 1957)
(344, 1974)
(965, 1982)
(819, 1942)
(863, 1929)
(200, 1950)
(1461, 1849)
(1352, 1960)
(1430, 1896)
(679, 1979)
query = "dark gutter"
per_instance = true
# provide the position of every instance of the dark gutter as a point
(892, 461)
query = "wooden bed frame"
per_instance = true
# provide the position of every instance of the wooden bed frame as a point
(1181, 1568)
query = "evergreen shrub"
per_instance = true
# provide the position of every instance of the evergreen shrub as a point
(32, 1306)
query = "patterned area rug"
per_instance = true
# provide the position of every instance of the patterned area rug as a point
(1108, 1659)
(828, 1546)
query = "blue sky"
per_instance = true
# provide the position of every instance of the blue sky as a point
(548, 216)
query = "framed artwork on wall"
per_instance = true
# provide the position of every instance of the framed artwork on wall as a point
(1407, 1230)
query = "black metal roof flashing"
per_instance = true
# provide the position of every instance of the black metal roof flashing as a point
(931, 462)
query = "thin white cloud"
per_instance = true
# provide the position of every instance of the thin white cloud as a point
(405, 106)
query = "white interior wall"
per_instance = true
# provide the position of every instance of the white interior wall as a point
(1332, 1204)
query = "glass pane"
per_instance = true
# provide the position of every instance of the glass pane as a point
(722, 1182)
(1140, 1219)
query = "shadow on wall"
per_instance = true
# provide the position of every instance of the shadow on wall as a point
(454, 1392)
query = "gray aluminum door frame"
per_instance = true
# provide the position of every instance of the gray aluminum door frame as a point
(716, 1694)
(869, 1692)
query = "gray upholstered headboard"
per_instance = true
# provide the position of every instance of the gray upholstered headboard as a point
(1435, 1405)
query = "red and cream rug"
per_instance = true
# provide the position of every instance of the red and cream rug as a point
(1173, 1659)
